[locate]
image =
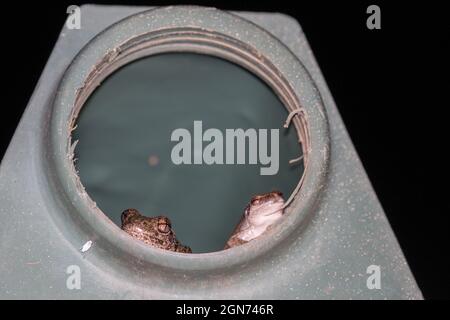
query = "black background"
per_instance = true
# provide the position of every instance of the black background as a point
(390, 86)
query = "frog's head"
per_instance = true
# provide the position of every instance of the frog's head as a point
(156, 231)
(264, 205)
(159, 224)
(272, 199)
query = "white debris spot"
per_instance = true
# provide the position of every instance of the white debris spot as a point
(86, 246)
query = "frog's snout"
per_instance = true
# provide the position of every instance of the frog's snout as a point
(128, 214)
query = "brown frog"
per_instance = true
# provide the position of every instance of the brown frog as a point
(154, 231)
(262, 211)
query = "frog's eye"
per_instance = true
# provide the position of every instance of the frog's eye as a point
(257, 199)
(164, 225)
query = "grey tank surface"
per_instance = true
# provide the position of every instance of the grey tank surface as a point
(57, 244)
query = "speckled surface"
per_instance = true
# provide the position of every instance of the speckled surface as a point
(325, 259)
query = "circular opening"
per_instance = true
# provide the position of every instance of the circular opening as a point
(124, 149)
(189, 30)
